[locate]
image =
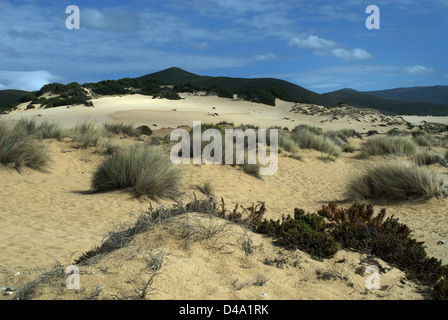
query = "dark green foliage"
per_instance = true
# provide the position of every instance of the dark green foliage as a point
(167, 93)
(264, 96)
(72, 93)
(110, 87)
(187, 87)
(27, 97)
(306, 232)
(360, 229)
(219, 91)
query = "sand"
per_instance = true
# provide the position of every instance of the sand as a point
(51, 217)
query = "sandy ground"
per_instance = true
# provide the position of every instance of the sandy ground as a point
(49, 217)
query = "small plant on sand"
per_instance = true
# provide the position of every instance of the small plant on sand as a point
(145, 169)
(394, 181)
(206, 188)
(388, 145)
(21, 148)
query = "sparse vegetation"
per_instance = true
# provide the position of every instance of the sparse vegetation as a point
(388, 145)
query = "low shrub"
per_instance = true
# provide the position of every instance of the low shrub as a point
(306, 232)
(358, 228)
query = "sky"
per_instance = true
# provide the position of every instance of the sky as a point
(322, 46)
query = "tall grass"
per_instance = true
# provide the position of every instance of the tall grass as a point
(41, 130)
(388, 145)
(123, 128)
(87, 134)
(395, 181)
(21, 148)
(309, 139)
(145, 169)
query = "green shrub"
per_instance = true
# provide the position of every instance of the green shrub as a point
(395, 181)
(145, 169)
(167, 93)
(21, 148)
(306, 232)
(358, 228)
(388, 146)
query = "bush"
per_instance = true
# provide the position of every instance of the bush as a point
(305, 232)
(20, 148)
(145, 169)
(394, 181)
(388, 146)
(358, 228)
(167, 93)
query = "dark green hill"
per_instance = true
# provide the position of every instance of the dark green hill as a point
(178, 76)
(387, 106)
(432, 94)
(10, 98)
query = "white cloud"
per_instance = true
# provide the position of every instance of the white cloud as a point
(25, 80)
(265, 57)
(329, 48)
(418, 69)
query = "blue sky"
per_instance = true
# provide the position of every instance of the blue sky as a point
(320, 45)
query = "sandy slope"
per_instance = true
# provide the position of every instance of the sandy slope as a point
(52, 216)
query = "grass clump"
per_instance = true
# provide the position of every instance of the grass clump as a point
(388, 145)
(87, 134)
(122, 128)
(145, 169)
(21, 148)
(428, 157)
(392, 181)
(310, 139)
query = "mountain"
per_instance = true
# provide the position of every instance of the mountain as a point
(236, 85)
(10, 98)
(387, 106)
(433, 94)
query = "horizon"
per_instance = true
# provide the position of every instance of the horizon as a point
(320, 46)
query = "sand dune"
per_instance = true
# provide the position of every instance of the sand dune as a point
(48, 217)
